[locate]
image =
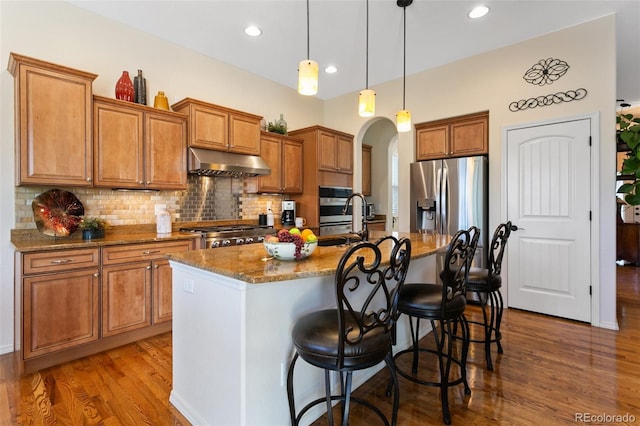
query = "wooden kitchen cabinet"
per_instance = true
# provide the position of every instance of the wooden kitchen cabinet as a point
(335, 151)
(60, 300)
(284, 156)
(461, 136)
(52, 123)
(138, 147)
(136, 285)
(220, 128)
(628, 242)
(77, 302)
(366, 169)
(325, 151)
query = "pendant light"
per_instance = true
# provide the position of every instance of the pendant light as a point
(367, 97)
(403, 117)
(308, 70)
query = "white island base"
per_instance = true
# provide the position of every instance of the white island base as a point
(232, 345)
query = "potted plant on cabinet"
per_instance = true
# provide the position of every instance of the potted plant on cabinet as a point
(92, 227)
(628, 139)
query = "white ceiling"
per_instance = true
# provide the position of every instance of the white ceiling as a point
(438, 32)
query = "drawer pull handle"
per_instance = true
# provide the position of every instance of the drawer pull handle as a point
(151, 252)
(59, 261)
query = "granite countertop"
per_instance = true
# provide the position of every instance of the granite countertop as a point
(249, 263)
(29, 240)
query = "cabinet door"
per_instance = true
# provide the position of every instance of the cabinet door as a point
(271, 153)
(432, 142)
(469, 137)
(344, 155)
(209, 128)
(327, 149)
(244, 134)
(53, 112)
(165, 151)
(292, 166)
(366, 169)
(60, 311)
(162, 291)
(126, 293)
(118, 140)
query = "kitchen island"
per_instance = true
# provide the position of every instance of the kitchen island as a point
(233, 310)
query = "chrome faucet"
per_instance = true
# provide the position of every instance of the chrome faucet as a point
(364, 232)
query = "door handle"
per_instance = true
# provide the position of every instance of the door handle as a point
(515, 228)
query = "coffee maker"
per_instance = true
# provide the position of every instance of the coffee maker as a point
(288, 217)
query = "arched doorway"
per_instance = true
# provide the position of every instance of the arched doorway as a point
(380, 133)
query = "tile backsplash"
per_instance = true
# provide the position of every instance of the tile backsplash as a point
(206, 198)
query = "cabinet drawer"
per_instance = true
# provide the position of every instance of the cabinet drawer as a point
(135, 252)
(59, 260)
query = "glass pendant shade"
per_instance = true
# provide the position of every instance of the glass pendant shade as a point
(367, 103)
(403, 120)
(308, 77)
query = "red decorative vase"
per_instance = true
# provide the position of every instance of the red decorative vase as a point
(124, 88)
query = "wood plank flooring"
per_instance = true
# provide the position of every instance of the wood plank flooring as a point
(551, 371)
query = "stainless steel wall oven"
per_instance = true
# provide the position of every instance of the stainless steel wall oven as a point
(332, 201)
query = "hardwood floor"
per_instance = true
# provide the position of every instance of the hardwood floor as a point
(552, 370)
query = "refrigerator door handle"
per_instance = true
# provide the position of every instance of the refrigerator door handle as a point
(444, 200)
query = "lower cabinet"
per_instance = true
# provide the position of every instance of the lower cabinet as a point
(81, 301)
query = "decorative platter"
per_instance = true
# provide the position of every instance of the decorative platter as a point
(57, 212)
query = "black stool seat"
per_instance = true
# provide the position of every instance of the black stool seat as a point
(315, 337)
(357, 334)
(443, 305)
(481, 280)
(425, 301)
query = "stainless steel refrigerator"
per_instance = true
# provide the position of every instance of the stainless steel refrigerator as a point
(451, 194)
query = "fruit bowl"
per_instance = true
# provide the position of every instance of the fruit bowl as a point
(286, 251)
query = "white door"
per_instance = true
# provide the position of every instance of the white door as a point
(548, 187)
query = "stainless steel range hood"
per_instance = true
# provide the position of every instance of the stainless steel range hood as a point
(206, 162)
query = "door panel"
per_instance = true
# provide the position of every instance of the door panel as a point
(548, 181)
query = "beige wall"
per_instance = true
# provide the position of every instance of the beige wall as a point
(491, 82)
(61, 33)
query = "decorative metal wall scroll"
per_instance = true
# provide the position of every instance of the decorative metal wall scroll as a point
(546, 71)
(554, 98)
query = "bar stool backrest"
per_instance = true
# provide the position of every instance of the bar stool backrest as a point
(496, 251)
(367, 288)
(457, 263)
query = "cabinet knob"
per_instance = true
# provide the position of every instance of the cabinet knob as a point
(149, 267)
(96, 275)
(89, 179)
(156, 267)
(141, 183)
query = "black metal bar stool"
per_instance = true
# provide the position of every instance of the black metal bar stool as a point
(486, 284)
(357, 334)
(443, 305)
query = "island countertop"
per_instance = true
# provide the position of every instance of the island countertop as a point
(251, 263)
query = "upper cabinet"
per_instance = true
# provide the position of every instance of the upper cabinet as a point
(461, 136)
(335, 151)
(138, 147)
(284, 155)
(220, 128)
(53, 123)
(366, 169)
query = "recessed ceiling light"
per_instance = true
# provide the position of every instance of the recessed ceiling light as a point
(478, 12)
(331, 69)
(252, 31)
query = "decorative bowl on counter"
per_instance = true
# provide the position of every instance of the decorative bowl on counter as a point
(287, 251)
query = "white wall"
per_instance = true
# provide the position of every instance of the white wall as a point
(61, 33)
(64, 34)
(491, 82)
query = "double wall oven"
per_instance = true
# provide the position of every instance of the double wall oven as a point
(332, 201)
